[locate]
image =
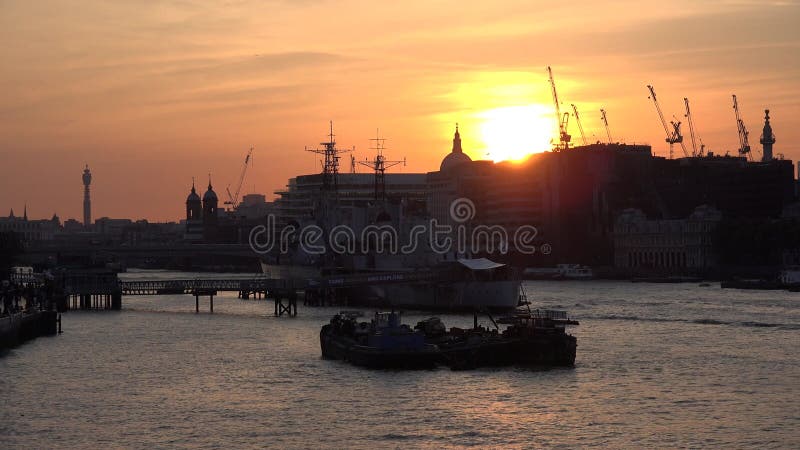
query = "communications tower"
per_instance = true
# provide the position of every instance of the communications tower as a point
(87, 201)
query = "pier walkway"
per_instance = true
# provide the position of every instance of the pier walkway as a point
(104, 289)
(263, 284)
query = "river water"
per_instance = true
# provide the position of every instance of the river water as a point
(658, 366)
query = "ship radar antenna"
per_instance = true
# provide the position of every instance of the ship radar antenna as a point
(380, 164)
(330, 168)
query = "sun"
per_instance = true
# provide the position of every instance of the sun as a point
(511, 133)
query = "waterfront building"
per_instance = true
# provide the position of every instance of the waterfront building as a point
(666, 246)
(735, 186)
(570, 197)
(112, 229)
(30, 230)
(253, 206)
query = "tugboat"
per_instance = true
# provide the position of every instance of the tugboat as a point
(383, 343)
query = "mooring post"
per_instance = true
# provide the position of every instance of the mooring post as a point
(196, 303)
(211, 299)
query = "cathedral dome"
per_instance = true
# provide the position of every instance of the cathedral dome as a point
(454, 159)
(456, 156)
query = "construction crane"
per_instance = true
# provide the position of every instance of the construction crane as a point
(563, 121)
(744, 145)
(673, 137)
(379, 165)
(578, 121)
(605, 121)
(688, 116)
(233, 200)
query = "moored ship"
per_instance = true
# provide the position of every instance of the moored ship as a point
(533, 338)
(464, 285)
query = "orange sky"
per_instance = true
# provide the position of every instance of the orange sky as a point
(150, 94)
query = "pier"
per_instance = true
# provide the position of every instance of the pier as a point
(23, 326)
(103, 290)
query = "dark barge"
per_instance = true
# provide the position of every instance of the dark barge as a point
(532, 338)
(383, 343)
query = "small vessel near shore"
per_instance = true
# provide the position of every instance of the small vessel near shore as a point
(532, 338)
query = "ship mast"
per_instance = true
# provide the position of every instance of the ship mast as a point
(379, 165)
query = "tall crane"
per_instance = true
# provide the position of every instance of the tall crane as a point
(744, 145)
(688, 116)
(673, 137)
(578, 121)
(233, 200)
(605, 121)
(379, 165)
(563, 121)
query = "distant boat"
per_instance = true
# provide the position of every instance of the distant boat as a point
(560, 272)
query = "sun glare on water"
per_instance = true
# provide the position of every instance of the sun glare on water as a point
(514, 132)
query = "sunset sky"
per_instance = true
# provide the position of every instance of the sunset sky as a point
(150, 94)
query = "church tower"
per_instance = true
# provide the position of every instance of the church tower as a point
(767, 138)
(194, 216)
(210, 218)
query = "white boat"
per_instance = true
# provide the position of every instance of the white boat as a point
(560, 272)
